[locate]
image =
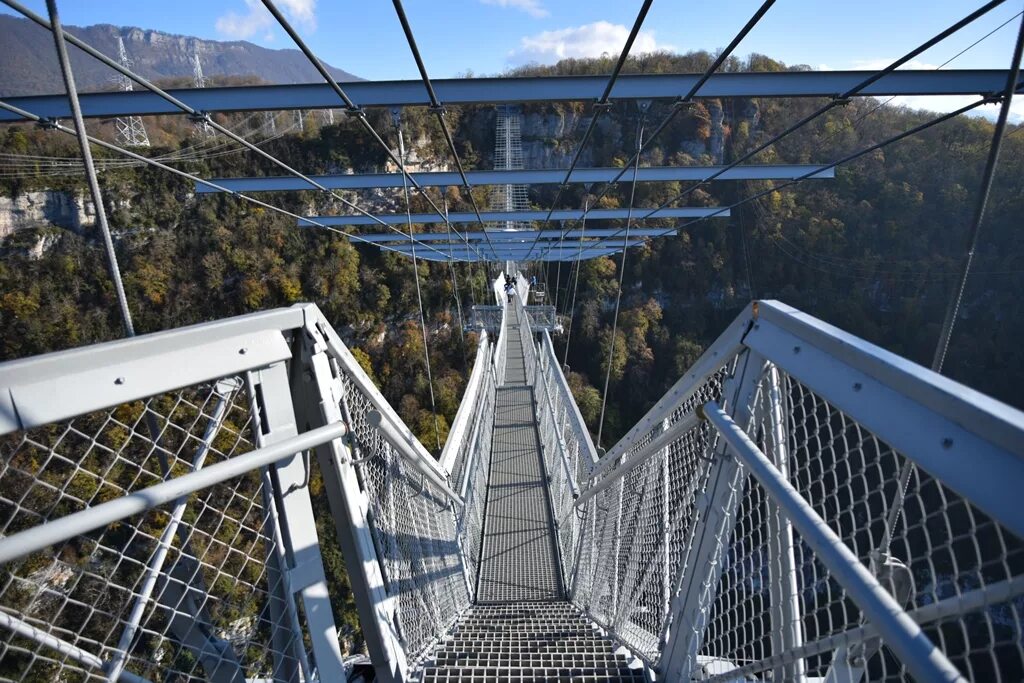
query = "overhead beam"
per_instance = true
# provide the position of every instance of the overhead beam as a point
(515, 216)
(505, 236)
(566, 255)
(517, 177)
(482, 248)
(458, 91)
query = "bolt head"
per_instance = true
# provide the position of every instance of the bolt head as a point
(119, 380)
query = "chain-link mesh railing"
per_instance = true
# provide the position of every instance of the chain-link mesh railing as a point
(697, 560)
(526, 338)
(942, 557)
(566, 446)
(635, 527)
(413, 527)
(76, 606)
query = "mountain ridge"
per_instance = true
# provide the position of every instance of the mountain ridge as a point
(28, 65)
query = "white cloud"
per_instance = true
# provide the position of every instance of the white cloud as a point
(257, 18)
(531, 7)
(589, 40)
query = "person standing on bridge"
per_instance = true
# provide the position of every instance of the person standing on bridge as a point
(509, 289)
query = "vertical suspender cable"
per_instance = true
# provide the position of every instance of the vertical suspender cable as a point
(979, 214)
(622, 274)
(90, 169)
(953, 309)
(576, 285)
(416, 277)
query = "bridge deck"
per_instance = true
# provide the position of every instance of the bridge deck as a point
(519, 558)
(522, 629)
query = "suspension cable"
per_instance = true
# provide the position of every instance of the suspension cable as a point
(839, 100)
(956, 296)
(455, 286)
(438, 110)
(600, 107)
(198, 116)
(688, 97)
(90, 169)
(416, 276)
(622, 275)
(56, 125)
(350, 107)
(576, 285)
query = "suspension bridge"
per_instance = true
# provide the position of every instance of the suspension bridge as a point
(801, 505)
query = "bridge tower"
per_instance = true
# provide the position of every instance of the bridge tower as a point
(508, 155)
(130, 130)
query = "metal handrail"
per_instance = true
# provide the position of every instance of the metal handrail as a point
(398, 441)
(75, 524)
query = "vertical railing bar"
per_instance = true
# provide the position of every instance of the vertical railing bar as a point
(156, 563)
(787, 631)
(899, 630)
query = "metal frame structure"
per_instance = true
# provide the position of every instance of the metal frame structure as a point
(500, 176)
(410, 93)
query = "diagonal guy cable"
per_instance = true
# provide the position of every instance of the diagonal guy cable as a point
(677, 106)
(600, 106)
(350, 107)
(841, 99)
(437, 109)
(191, 111)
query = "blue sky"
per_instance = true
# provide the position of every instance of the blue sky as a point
(489, 36)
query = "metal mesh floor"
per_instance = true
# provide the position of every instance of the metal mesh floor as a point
(526, 641)
(519, 560)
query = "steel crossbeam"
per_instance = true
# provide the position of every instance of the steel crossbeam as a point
(463, 91)
(515, 216)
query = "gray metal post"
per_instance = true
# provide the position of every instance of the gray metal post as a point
(303, 570)
(701, 568)
(787, 627)
(900, 632)
(90, 170)
(316, 386)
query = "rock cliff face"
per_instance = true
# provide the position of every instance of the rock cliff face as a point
(46, 207)
(28, 65)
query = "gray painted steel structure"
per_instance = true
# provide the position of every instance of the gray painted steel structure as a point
(560, 215)
(511, 236)
(517, 177)
(515, 90)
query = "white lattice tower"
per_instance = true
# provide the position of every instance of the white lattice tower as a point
(130, 131)
(199, 81)
(508, 154)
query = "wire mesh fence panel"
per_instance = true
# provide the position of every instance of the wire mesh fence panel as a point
(635, 533)
(950, 566)
(205, 561)
(413, 528)
(475, 496)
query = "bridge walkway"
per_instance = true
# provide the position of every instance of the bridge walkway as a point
(522, 628)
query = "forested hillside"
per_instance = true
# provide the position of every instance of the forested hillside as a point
(874, 251)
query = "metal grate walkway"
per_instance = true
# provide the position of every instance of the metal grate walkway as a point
(521, 628)
(519, 558)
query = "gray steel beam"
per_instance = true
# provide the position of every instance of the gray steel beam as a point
(511, 236)
(519, 246)
(516, 177)
(516, 216)
(458, 91)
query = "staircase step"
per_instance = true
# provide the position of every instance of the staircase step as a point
(520, 642)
